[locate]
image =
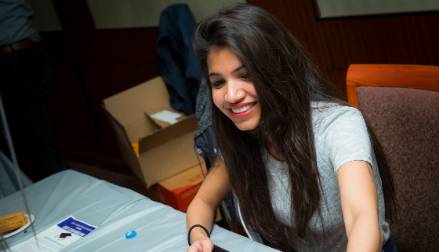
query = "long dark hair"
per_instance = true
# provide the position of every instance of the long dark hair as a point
(286, 82)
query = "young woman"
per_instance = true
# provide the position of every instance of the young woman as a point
(299, 162)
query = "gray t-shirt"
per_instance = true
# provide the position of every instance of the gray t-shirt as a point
(340, 136)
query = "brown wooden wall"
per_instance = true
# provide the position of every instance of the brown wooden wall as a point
(335, 43)
(90, 64)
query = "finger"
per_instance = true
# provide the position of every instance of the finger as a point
(207, 246)
(195, 247)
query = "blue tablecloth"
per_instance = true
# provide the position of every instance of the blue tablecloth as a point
(114, 210)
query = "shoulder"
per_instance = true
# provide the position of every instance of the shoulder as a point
(341, 132)
(330, 117)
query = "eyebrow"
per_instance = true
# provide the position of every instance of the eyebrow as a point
(241, 67)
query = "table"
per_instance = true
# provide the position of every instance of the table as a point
(114, 210)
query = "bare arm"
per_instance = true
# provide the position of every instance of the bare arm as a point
(202, 208)
(359, 204)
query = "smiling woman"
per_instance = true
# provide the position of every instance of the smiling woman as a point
(299, 161)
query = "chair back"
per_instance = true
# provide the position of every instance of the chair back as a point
(400, 103)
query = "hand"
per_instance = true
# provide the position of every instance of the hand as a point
(203, 245)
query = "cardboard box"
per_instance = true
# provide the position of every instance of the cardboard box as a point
(179, 190)
(165, 148)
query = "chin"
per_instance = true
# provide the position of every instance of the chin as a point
(246, 126)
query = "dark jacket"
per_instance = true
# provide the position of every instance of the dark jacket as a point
(177, 63)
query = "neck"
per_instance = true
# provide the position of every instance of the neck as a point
(274, 152)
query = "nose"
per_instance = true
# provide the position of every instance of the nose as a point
(234, 93)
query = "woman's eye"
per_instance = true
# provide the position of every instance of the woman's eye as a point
(218, 83)
(245, 77)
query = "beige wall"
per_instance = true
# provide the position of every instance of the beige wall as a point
(145, 13)
(340, 8)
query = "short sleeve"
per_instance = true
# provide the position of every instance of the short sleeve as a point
(346, 137)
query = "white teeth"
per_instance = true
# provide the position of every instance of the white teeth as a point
(242, 109)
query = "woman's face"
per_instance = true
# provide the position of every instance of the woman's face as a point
(232, 91)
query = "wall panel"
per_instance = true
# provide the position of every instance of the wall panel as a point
(335, 43)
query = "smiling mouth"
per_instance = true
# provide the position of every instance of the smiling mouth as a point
(242, 109)
(240, 112)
